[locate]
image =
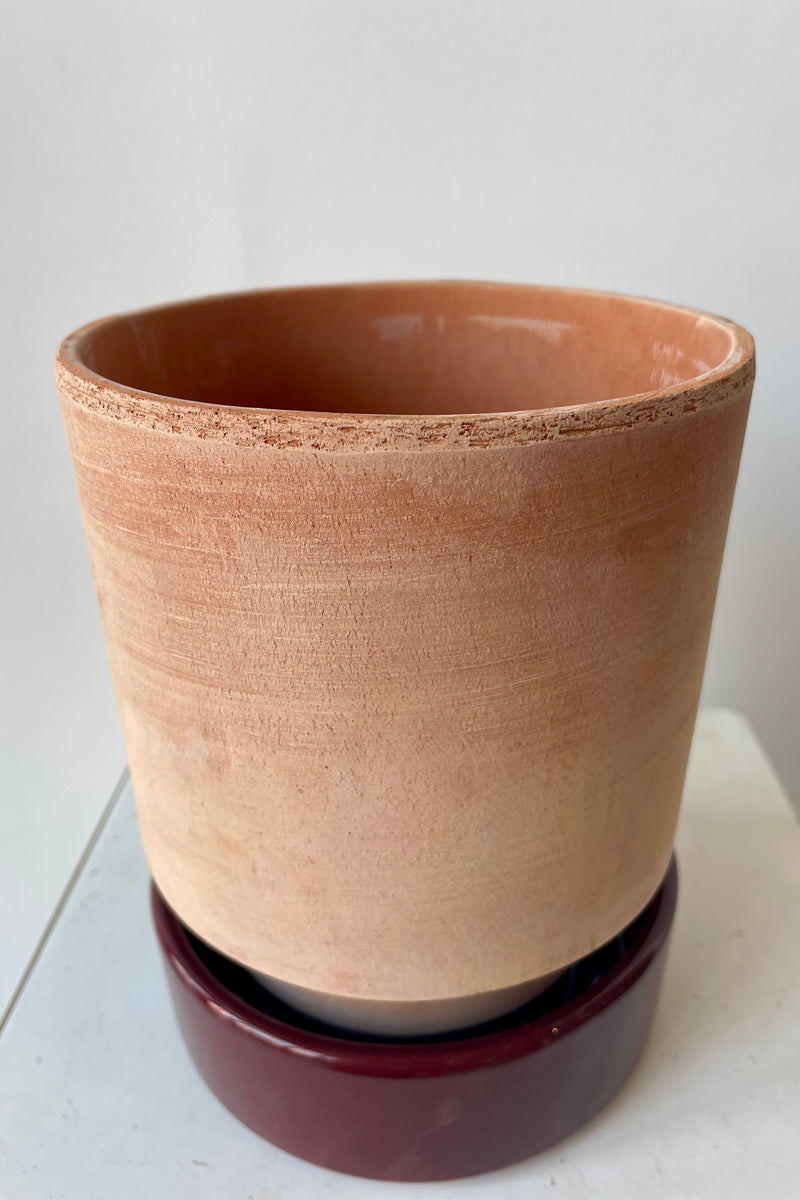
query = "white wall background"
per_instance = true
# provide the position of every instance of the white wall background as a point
(161, 148)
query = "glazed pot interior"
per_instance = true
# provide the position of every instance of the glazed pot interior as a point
(405, 348)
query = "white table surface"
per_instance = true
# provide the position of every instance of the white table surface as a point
(99, 1101)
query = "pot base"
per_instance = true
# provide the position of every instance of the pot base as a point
(391, 1020)
(430, 1108)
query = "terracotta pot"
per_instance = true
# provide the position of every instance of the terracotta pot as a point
(407, 589)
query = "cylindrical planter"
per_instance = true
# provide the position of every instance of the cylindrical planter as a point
(407, 589)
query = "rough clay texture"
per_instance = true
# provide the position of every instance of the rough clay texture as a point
(408, 711)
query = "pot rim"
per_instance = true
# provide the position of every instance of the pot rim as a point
(329, 430)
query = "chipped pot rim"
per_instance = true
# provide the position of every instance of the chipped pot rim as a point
(286, 428)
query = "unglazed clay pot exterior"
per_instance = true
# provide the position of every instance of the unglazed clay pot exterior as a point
(407, 589)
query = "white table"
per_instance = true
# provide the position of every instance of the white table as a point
(98, 1099)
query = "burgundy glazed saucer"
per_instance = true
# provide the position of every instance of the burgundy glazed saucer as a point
(427, 1109)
